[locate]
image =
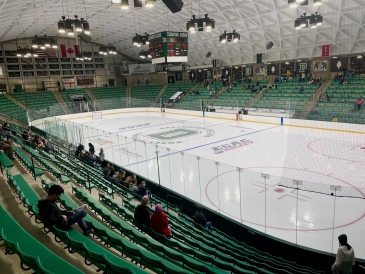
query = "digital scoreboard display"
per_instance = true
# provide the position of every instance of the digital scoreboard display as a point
(169, 47)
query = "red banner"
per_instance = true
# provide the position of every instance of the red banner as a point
(69, 51)
(325, 50)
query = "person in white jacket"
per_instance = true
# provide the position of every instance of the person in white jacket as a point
(345, 258)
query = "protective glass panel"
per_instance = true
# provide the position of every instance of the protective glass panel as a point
(164, 166)
(209, 173)
(193, 187)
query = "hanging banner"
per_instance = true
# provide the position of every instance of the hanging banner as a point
(339, 65)
(69, 51)
(208, 74)
(260, 70)
(273, 69)
(85, 80)
(68, 81)
(141, 68)
(248, 71)
(320, 65)
(325, 50)
(302, 66)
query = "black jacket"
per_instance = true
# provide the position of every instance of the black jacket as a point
(142, 215)
(200, 218)
(50, 213)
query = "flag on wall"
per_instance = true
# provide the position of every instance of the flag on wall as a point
(325, 50)
(69, 51)
(47, 53)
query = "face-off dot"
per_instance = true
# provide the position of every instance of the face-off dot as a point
(279, 190)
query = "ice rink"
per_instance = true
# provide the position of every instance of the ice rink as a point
(219, 163)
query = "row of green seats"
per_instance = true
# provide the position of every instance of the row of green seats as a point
(27, 163)
(11, 109)
(75, 241)
(31, 252)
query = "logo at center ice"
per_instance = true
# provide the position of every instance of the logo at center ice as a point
(174, 135)
(232, 145)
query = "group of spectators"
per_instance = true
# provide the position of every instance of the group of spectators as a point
(158, 221)
(324, 97)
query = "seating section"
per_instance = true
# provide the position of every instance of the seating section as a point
(75, 241)
(111, 97)
(286, 96)
(143, 96)
(44, 101)
(173, 88)
(11, 109)
(31, 252)
(236, 97)
(341, 105)
(66, 97)
(194, 101)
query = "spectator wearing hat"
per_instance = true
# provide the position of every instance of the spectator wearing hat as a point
(345, 258)
(199, 218)
(159, 222)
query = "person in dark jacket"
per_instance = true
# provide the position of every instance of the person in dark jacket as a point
(199, 218)
(78, 150)
(91, 148)
(142, 212)
(62, 219)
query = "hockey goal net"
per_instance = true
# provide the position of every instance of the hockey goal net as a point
(97, 115)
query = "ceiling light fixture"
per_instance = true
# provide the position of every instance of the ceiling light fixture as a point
(44, 42)
(229, 37)
(139, 40)
(150, 3)
(66, 25)
(315, 20)
(317, 2)
(198, 23)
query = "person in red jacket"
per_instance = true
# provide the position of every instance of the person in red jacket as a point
(159, 222)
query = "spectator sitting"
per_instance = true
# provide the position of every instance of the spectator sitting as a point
(83, 156)
(79, 149)
(341, 81)
(111, 172)
(274, 86)
(253, 89)
(120, 175)
(106, 169)
(62, 219)
(310, 81)
(276, 79)
(301, 90)
(326, 97)
(142, 191)
(321, 98)
(345, 81)
(8, 148)
(142, 212)
(315, 110)
(37, 142)
(358, 103)
(281, 78)
(338, 76)
(93, 159)
(200, 219)
(159, 222)
(131, 180)
(257, 83)
(26, 135)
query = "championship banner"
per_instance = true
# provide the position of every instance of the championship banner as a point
(85, 80)
(141, 68)
(68, 81)
(325, 50)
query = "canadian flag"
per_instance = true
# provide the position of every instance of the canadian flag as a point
(69, 50)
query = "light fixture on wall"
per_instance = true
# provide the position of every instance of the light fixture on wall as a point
(198, 24)
(68, 25)
(109, 49)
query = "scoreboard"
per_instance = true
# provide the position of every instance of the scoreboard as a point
(169, 46)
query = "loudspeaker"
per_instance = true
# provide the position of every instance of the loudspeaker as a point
(208, 54)
(269, 45)
(174, 5)
(84, 37)
(258, 58)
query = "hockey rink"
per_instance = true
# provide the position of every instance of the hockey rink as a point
(220, 163)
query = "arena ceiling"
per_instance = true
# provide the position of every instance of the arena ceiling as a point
(258, 21)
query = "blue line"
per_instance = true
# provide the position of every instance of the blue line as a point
(215, 142)
(178, 121)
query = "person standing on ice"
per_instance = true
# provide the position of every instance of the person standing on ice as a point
(345, 258)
